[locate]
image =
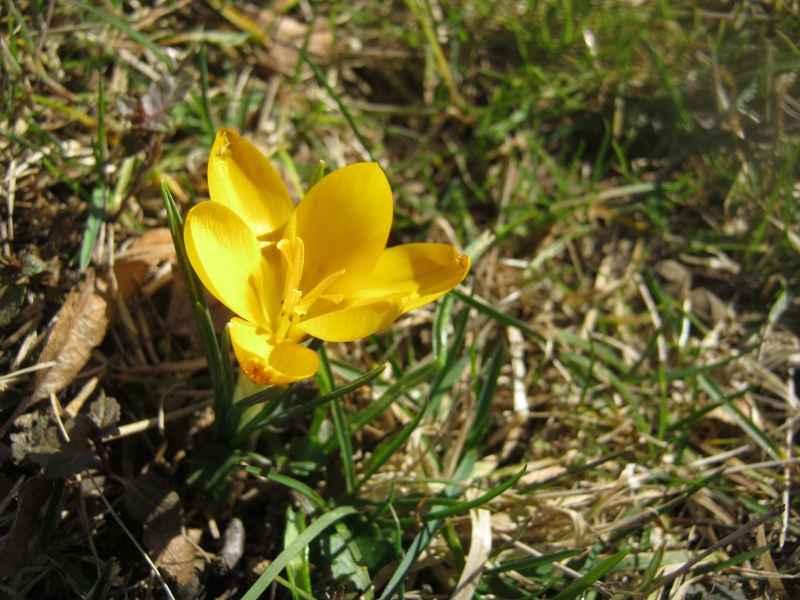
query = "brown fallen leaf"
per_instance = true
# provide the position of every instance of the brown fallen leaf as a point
(143, 495)
(152, 246)
(38, 440)
(289, 35)
(150, 499)
(77, 328)
(102, 419)
(174, 554)
(132, 264)
(173, 550)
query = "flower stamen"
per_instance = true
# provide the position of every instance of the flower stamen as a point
(317, 293)
(294, 303)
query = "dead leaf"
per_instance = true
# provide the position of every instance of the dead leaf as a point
(35, 435)
(76, 329)
(132, 264)
(79, 326)
(290, 34)
(149, 500)
(102, 419)
(40, 443)
(167, 515)
(143, 495)
(175, 556)
(130, 276)
(72, 458)
(152, 247)
(171, 549)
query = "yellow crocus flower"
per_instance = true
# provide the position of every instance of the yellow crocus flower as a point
(320, 269)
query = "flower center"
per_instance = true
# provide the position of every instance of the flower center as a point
(294, 303)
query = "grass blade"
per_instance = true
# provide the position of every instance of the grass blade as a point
(301, 541)
(534, 562)
(428, 530)
(480, 422)
(340, 103)
(576, 588)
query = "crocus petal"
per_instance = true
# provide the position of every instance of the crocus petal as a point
(269, 360)
(227, 258)
(422, 271)
(354, 319)
(344, 222)
(406, 277)
(242, 178)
